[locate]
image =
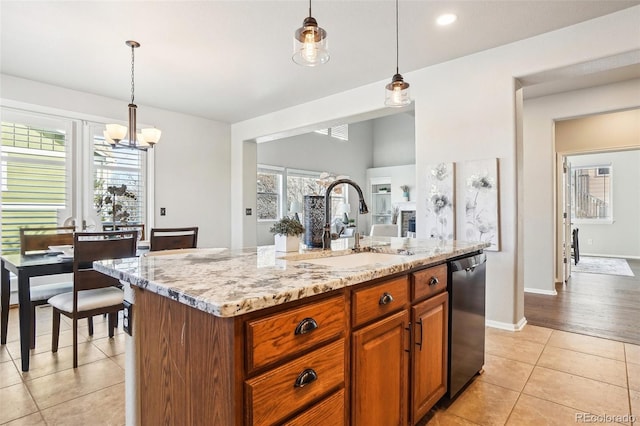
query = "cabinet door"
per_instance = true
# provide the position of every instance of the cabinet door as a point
(429, 368)
(380, 372)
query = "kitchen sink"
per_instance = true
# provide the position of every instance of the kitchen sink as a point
(354, 260)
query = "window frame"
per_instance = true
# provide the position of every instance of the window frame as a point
(281, 189)
(80, 130)
(146, 210)
(609, 219)
(36, 121)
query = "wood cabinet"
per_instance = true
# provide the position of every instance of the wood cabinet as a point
(371, 354)
(429, 354)
(380, 372)
(385, 390)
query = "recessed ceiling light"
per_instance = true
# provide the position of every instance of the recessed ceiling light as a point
(446, 19)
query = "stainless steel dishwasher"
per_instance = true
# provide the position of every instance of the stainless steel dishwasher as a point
(466, 320)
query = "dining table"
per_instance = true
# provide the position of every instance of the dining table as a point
(26, 266)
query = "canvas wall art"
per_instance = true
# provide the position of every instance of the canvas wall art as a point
(482, 220)
(440, 223)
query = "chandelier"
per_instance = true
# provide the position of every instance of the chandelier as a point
(115, 133)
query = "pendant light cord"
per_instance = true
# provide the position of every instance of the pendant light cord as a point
(132, 74)
(310, 8)
(397, 43)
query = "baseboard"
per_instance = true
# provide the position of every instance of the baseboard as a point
(507, 326)
(619, 256)
(540, 291)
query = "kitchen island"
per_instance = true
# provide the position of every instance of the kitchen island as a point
(232, 337)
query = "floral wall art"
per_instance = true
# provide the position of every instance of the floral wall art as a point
(480, 178)
(440, 223)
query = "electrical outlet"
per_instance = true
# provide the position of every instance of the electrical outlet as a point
(127, 320)
(163, 211)
(589, 241)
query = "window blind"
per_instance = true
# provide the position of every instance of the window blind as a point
(119, 179)
(34, 179)
(340, 132)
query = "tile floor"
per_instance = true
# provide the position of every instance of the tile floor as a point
(533, 377)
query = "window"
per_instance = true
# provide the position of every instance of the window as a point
(34, 179)
(57, 171)
(269, 190)
(591, 190)
(339, 132)
(299, 184)
(119, 183)
(281, 192)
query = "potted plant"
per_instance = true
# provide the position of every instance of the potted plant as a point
(287, 233)
(405, 192)
(112, 203)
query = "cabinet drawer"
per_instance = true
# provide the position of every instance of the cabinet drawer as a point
(373, 302)
(274, 395)
(328, 412)
(429, 281)
(276, 336)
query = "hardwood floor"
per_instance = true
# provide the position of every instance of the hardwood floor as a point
(597, 305)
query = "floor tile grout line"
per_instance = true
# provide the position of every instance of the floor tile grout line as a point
(80, 396)
(626, 367)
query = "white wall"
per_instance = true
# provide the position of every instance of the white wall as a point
(394, 140)
(622, 237)
(539, 214)
(464, 109)
(321, 153)
(192, 159)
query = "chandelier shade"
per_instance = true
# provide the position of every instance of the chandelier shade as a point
(310, 45)
(115, 133)
(397, 92)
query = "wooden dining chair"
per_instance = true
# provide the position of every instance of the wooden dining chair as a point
(173, 238)
(127, 227)
(93, 293)
(38, 240)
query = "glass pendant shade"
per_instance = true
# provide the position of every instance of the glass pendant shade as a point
(108, 139)
(141, 141)
(151, 136)
(397, 92)
(116, 132)
(310, 46)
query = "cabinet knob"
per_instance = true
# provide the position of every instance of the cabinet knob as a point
(306, 377)
(305, 326)
(385, 299)
(434, 281)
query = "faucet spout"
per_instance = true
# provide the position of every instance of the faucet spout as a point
(363, 209)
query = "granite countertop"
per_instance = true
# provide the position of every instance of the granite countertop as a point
(228, 283)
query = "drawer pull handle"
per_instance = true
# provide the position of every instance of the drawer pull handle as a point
(385, 299)
(305, 326)
(306, 377)
(434, 281)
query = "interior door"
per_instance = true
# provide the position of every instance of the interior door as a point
(566, 217)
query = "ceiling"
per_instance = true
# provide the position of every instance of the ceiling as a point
(231, 60)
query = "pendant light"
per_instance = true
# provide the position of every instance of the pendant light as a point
(397, 92)
(310, 43)
(115, 133)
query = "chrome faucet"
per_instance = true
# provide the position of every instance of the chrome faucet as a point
(363, 209)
